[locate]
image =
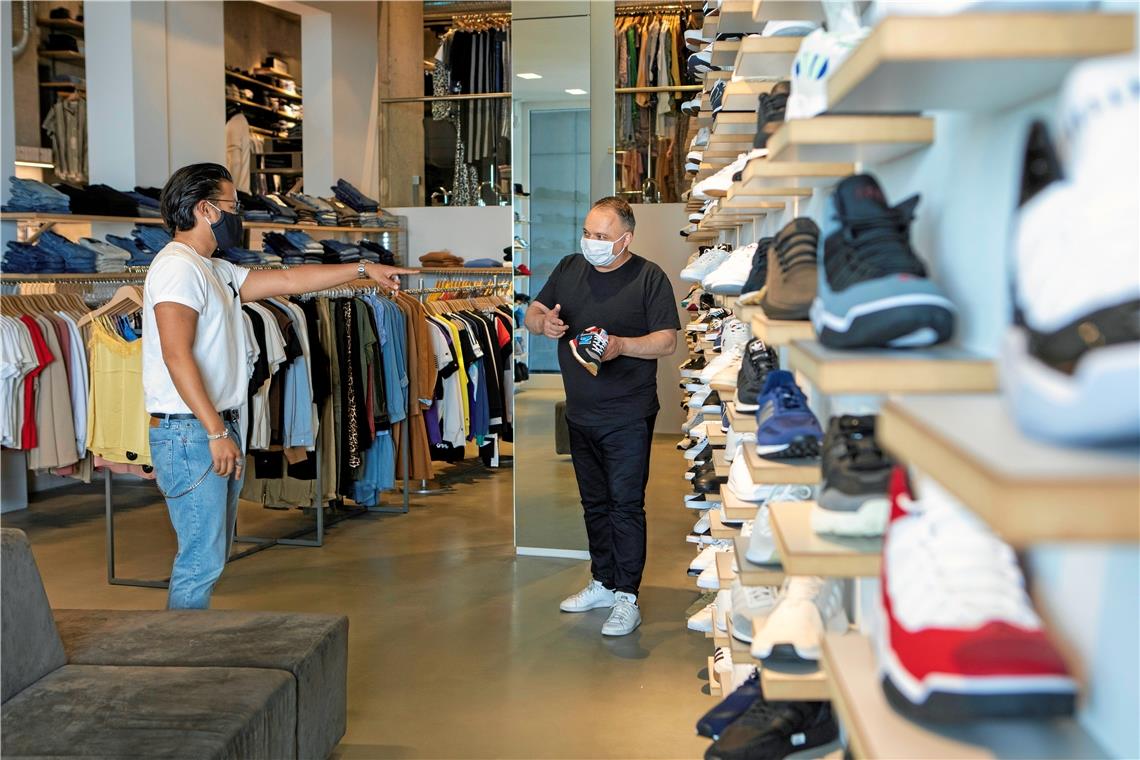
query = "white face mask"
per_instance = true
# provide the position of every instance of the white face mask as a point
(600, 253)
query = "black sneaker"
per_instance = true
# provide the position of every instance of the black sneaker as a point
(856, 474)
(588, 348)
(775, 730)
(770, 112)
(716, 96)
(1041, 167)
(759, 274)
(759, 360)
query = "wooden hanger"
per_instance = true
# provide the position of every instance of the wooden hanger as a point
(127, 300)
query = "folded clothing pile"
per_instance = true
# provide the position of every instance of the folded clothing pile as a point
(337, 252)
(147, 206)
(313, 209)
(30, 195)
(242, 256)
(99, 200)
(152, 238)
(347, 193)
(439, 259)
(370, 248)
(140, 255)
(482, 263)
(108, 258)
(24, 258)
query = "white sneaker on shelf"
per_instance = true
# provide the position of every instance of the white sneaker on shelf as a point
(733, 441)
(728, 279)
(593, 597)
(701, 139)
(722, 661)
(722, 609)
(719, 363)
(705, 263)
(750, 603)
(702, 525)
(702, 620)
(718, 183)
(708, 579)
(625, 616)
(820, 54)
(706, 558)
(761, 544)
(808, 607)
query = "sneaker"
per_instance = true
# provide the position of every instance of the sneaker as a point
(693, 165)
(702, 525)
(791, 279)
(750, 603)
(761, 544)
(716, 720)
(708, 579)
(625, 616)
(722, 609)
(873, 290)
(717, 185)
(701, 138)
(593, 597)
(589, 347)
(728, 279)
(809, 607)
(735, 441)
(722, 661)
(691, 107)
(705, 263)
(770, 109)
(853, 495)
(734, 336)
(701, 621)
(959, 640)
(700, 62)
(776, 730)
(820, 54)
(792, 28)
(786, 427)
(758, 274)
(707, 557)
(716, 97)
(708, 482)
(1070, 365)
(758, 361)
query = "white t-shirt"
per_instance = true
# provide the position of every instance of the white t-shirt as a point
(212, 288)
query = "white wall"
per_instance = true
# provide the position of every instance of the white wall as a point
(470, 232)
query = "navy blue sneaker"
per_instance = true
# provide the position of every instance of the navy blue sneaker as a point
(786, 427)
(716, 720)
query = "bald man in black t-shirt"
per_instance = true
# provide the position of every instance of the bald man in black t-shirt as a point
(610, 415)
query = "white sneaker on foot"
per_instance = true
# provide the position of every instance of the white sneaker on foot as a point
(625, 616)
(592, 597)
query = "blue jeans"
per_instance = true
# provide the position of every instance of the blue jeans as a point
(202, 506)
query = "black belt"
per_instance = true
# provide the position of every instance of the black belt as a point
(229, 415)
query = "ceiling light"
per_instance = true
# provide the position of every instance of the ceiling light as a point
(575, 91)
(529, 75)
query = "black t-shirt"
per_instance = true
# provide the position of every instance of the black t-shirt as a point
(632, 301)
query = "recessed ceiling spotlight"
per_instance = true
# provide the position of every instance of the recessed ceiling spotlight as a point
(529, 75)
(575, 91)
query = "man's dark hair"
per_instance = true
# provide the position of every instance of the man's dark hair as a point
(619, 207)
(187, 186)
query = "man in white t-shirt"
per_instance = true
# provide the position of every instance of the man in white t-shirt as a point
(195, 369)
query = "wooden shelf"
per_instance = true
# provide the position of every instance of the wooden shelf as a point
(24, 216)
(263, 85)
(750, 204)
(773, 10)
(714, 685)
(762, 173)
(794, 682)
(766, 471)
(780, 332)
(971, 61)
(717, 438)
(724, 52)
(769, 57)
(752, 574)
(867, 139)
(803, 552)
(722, 387)
(741, 650)
(941, 369)
(62, 24)
(741, 97)
(718, 529)
(733, 126)
(266, 109)
(1028, 491)
(754, 185)
(725, 569)
(712, 77)
(741, 422)
(61, 55)
(736, 508)
(875, 730)
(736, 16)
(720, 464)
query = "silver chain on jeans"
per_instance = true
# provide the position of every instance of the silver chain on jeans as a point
(197, 483)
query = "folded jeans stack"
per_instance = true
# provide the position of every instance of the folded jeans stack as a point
(31, 259)
(346, 216)
(77, 259)
(254, 208)
(152, 238)
(337, 252)
(99, 200)
(108, 258)
(311, 250)
(440, 259)
(482, 263)
(30, 195)
(147, 206)
(383, 255)
(281, 211)
(242, 256)
(140, 256)
(276, 244)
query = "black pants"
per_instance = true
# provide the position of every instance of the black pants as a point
(612, 467)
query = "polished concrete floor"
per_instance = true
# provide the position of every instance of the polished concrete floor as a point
(457, 647)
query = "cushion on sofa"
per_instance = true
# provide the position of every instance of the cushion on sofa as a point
(107, 711)
(30, 647)
(314, 648)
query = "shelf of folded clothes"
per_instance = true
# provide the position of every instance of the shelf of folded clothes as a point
(267, 109)
(804, 552)
(769, 57)
(799, 10)
(238, 76)
(12, 277)
(865, 139)
(724, 51)
(741, 422)
(725, 569)
(777, 472)
(752, 574)
(741, 97)
(875, 729)
(793, 681)
(762, 173)
(464, 270)
(29, 216)
(939, 369)
(971, 61)
(775, 332)
(736, 508)
(717, 528)
(1027, 490)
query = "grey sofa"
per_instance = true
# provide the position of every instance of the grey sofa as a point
(200, 684)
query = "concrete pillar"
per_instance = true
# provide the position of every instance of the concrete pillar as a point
(7, 110)
(401, 124)
(196, 82)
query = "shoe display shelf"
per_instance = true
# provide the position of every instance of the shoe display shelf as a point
(797, 10)
(764, 174)
(784, 681)
(1025, 489)
(867, 139)
(709, 80)
(735, 128)
(715, 689)
(724, 51)
(971, 61)
(741, 97)
(805, 552)
(736, 16)
(720, 464)
(940, 369)
(791, 471)
(756, 207)
(874, 729)
(726, 568)
(51, 219)
(736, 508)
(741, 422)
(717, 528)
(776, 332)
(752, 574)
(769, 57)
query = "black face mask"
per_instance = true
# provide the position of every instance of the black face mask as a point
(227, 230)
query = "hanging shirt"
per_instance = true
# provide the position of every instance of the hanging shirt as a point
(239, 150)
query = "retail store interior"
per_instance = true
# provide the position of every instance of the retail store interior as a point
(880, 497)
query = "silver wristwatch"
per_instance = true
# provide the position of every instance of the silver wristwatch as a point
(361, 271)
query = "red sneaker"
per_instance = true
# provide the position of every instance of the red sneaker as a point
(959, 639)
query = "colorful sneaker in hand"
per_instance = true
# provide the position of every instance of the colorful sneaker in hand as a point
(589, 347)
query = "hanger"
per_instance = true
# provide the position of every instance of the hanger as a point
(127, 300)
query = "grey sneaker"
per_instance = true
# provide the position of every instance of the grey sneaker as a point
(625, 616)
(592, 597)
(792, 277)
